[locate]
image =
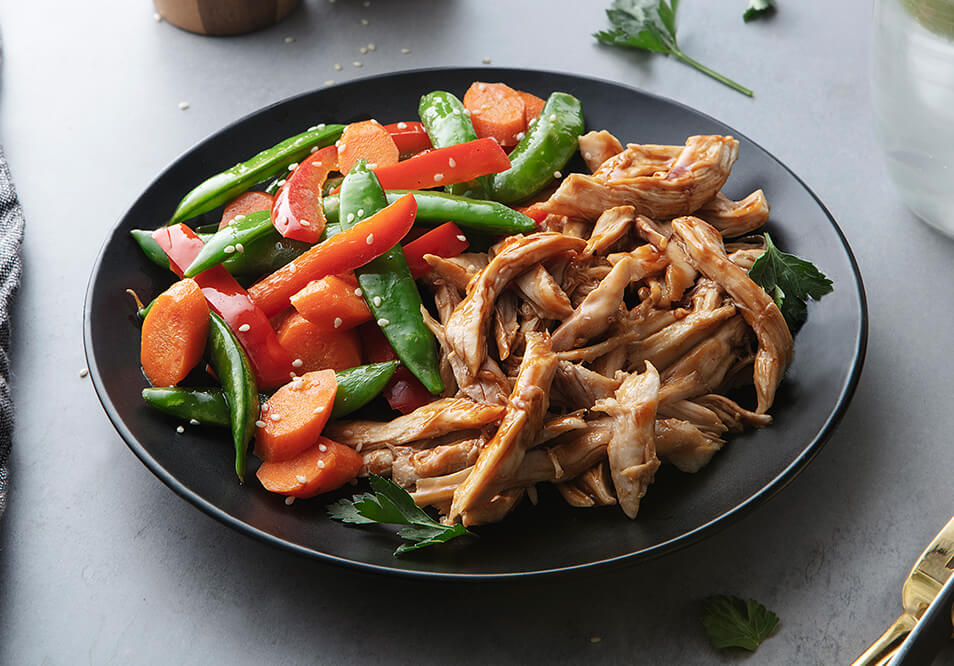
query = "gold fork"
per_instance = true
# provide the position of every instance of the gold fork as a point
(923, 584)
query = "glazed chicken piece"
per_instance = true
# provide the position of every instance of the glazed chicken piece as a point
(660, 189)
(671, 343)
(577, 386)
(410, 463)
(597, 147)
(518, 430)
(680, 273)
(735, 417)
(506, 325)
(703, 244)
(451, 271)
(594, 487)
(682, 444)
(632, 449)
(467, 327)
(611, 226)
(736, 218)
(539, 287)
(710, 361)
(431, 420)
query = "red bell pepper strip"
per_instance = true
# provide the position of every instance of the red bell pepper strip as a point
(446, 240)
(404, 392)
(297, 212)
(537, 214)
(270, 362)
(410, 137)
(345, 251)
(445, 166)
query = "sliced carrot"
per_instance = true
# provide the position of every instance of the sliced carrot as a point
(294, 416)
(318, 347)
(174, 333)
(368, 140)
(332, 303)
(532, 106)
(324, 467)
(497, 111)
(245, 203)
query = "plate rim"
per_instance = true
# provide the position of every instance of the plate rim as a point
(684, 540)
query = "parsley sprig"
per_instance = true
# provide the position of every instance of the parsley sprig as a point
(790, 281)
(732, 622)
(650, 25)
(757, 9)
(390, 504)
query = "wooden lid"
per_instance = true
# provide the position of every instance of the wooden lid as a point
(224, 17)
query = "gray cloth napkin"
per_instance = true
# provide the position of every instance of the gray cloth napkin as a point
(11, 233)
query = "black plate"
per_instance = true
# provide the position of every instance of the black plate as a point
(679, 508)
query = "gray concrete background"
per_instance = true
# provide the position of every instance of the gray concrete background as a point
(100, 563)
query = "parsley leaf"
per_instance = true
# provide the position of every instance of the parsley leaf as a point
(790, 281)
(758, 9)
(650, 25)
(731, 622)
(391, 504)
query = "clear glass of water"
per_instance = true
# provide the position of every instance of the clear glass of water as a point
(913, 96)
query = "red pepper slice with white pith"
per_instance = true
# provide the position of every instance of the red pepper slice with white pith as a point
(297, 212)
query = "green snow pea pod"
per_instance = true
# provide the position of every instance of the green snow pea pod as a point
(224, 186)
(448, 123)
(549, 144)
(231, 239)
(359, 385)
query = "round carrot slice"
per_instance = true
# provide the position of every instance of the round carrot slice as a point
(319, 346)
(294, 416)
(324, 467)
(497, 111)
(533, 105)
(174, 333)
(368, 140)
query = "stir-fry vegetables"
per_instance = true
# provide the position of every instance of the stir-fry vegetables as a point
(522, 325)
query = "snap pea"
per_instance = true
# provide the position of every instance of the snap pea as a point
(387, 284)
(356, 387)
(232, 367)
(549, 144)
(231, 239)
(150, 247)
(447, 123)
(218, 189)
(434, 208)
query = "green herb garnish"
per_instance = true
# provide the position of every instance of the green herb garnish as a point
(651, 26)
(731, 622)
(392, 505)
(757, 9)
(790, 281)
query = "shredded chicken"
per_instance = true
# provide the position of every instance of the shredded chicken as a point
(736, 218)
(597, 147)
(543, 292)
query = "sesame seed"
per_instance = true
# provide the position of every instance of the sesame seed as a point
(180, 430)
(369, 239)
(462, 238)
(292, 375)
(278, 245)
(275, 417)
(350, 217)
(320, 126)
(291, 500)
(312, 128)
(289, 40)
(244, 328)
(361, 212)
(485, 60)
(292, 166)
(321, 464)
(377, 300)
(347, 432)
(297, 363)
(358, 292)
(337, 66)
(405, 51)
(363, 50)
(301, 478)
(552, 117)
(382, 322)
(183, 106)
(322, 448)
(281, 182)
(292, 268)
(84, 372)
(438, 177)
(341, 146)
(356, 63)
(375, 121)
(193, 421)
(156, 17)
(372, 47)
(338, 322)
(239, 248)
(304, 223)
(260, 424)
(452, 163)
(402, 125)
(330, 82)
(358, 447)
(238, 218)
(519, 136)
(318, 410)
(265, 407)
(229, 249)
(364, 21)
(466, 112)
(557, 174)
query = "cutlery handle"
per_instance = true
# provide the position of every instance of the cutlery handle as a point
(883, 649)
(931, 633)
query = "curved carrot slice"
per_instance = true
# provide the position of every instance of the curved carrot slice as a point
(324, 467)
(497, 111)
(369, 140)
(533, 105)
(244, 204)
(332, 303)
(297, 212)
(319, 347)
(174, 333)
(294, 416)
(343, 252)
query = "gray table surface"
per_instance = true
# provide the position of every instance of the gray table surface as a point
(101, 563)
